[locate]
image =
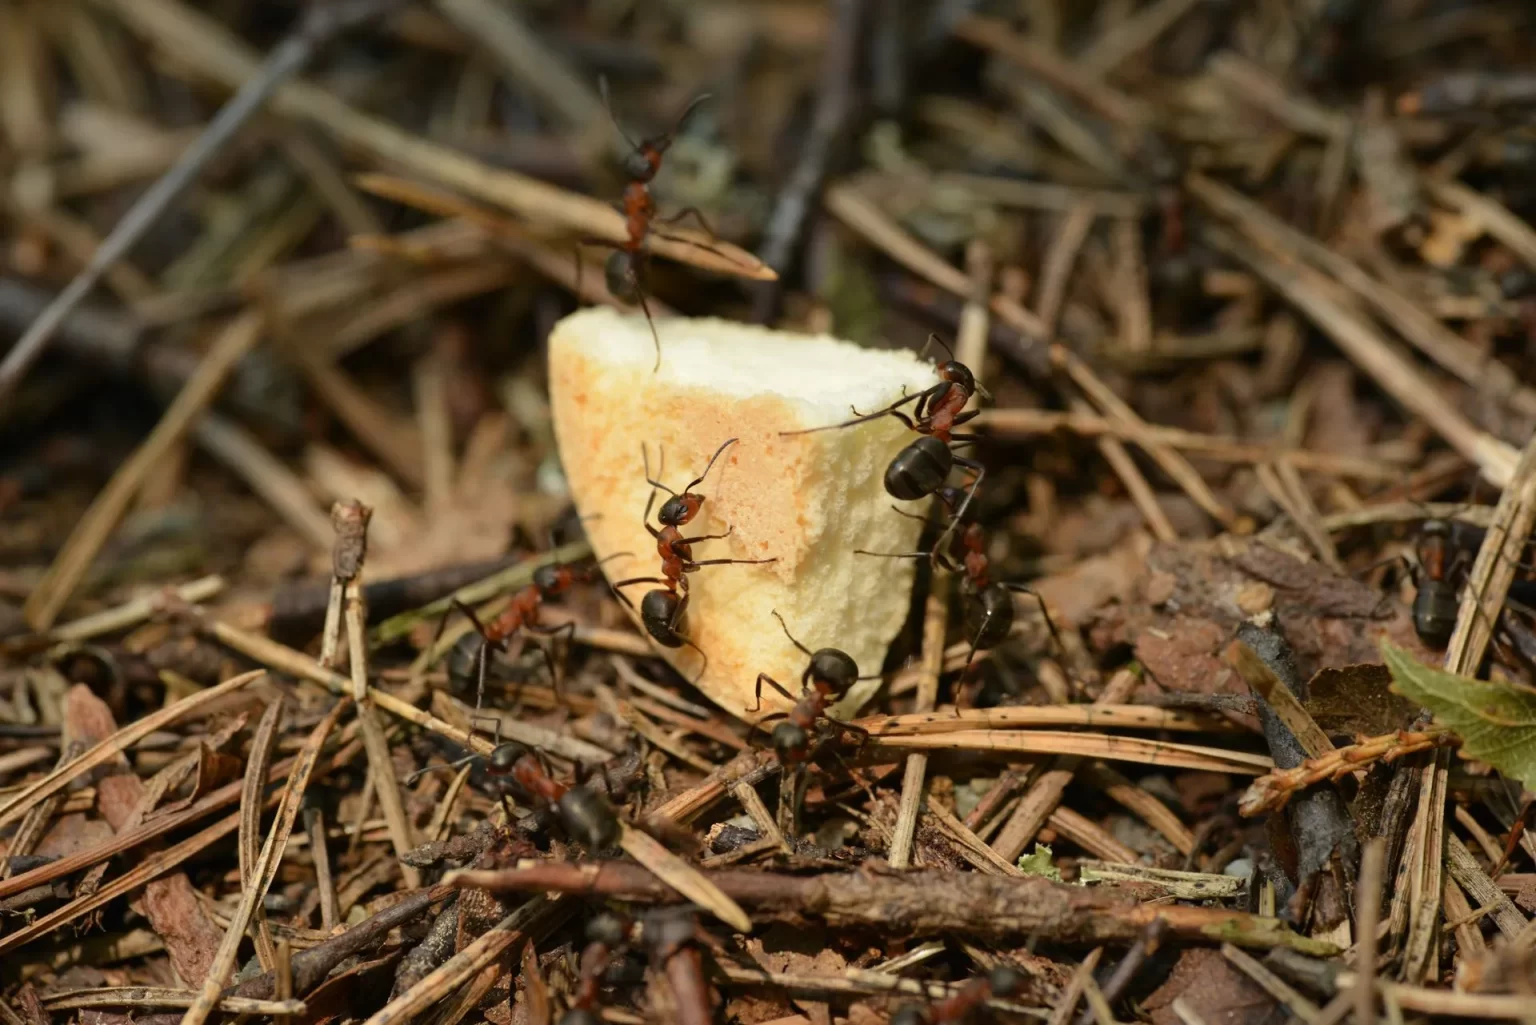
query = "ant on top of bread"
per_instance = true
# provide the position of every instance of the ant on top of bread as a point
(662, 610)
(920, 469)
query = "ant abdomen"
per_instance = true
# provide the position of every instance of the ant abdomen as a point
(659, 611)
(989, 618)
(619, 276)
(588, 818)
(919, 470)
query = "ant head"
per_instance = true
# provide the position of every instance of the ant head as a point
(620, 277)
(1004, 980)
(505, 755)
(679, 509)
(669, 928)
(608, 929)
(833, 669)
(788, 739)
(959, 374)
(641, 164)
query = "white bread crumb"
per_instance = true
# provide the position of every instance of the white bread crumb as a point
(809, 501)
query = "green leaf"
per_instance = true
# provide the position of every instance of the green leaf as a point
(1039, 863)
(1496, 719)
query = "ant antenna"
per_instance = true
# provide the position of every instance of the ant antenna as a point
(791, 636)
(682, 118)
(661, 457)
(933, 336)
(602, 89)
(700, 479)
(459, 764)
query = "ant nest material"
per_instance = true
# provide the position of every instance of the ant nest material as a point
(807, 501)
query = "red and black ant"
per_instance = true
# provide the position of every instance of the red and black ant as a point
(584, 813)
(662, 610)
(1001, 981)
(827, 677)
(920, 469)
(469, 655)
(607, 934)
(675, 941)
(625, 271)
(990, 610)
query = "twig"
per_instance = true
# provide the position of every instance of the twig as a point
(116, 744)
(69, 567)
(135, 610)
(1132, 35)
(1074, 991)
(232, 445)
(935, 622)
(916, 903)
(265, 868)
(1145, 946)
(1315, 296)
(248, 844)
(287, 58)
(1275, 986)
(350, 520)
(208, 49)
(1271, 791)
(834, 103)
(1103, 716)
(1045, 794)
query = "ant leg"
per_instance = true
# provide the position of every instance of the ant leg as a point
(458, 764)
(691, 567)
(1049, 623)
(636, 580)
(553, 633)
(860, 731)
(773, 683)
(688, 211)
(959, 515)
(704, 537)
(966, 417)
(772, 717)
(861, 417)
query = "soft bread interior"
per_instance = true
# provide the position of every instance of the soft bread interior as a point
(808, 501)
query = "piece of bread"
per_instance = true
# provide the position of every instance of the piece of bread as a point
(808, 501)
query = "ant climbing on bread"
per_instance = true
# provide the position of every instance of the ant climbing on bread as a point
(828, 675)
(921, 469)
(662, 610)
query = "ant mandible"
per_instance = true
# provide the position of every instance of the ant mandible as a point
(990, 611)
(625, 270)
(1001, 981)
(662, 610)
(585, 814)
(920, 469)
(827, 677)
(469, 655)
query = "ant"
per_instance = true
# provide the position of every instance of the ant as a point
(469, 655)
(674, 939)
(607, 933)
(828, 676)
(990, 611)
(920, 469)
(662, 610)
(1001, 981)
(585, 814)
(1436, 603)
(625, 271)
